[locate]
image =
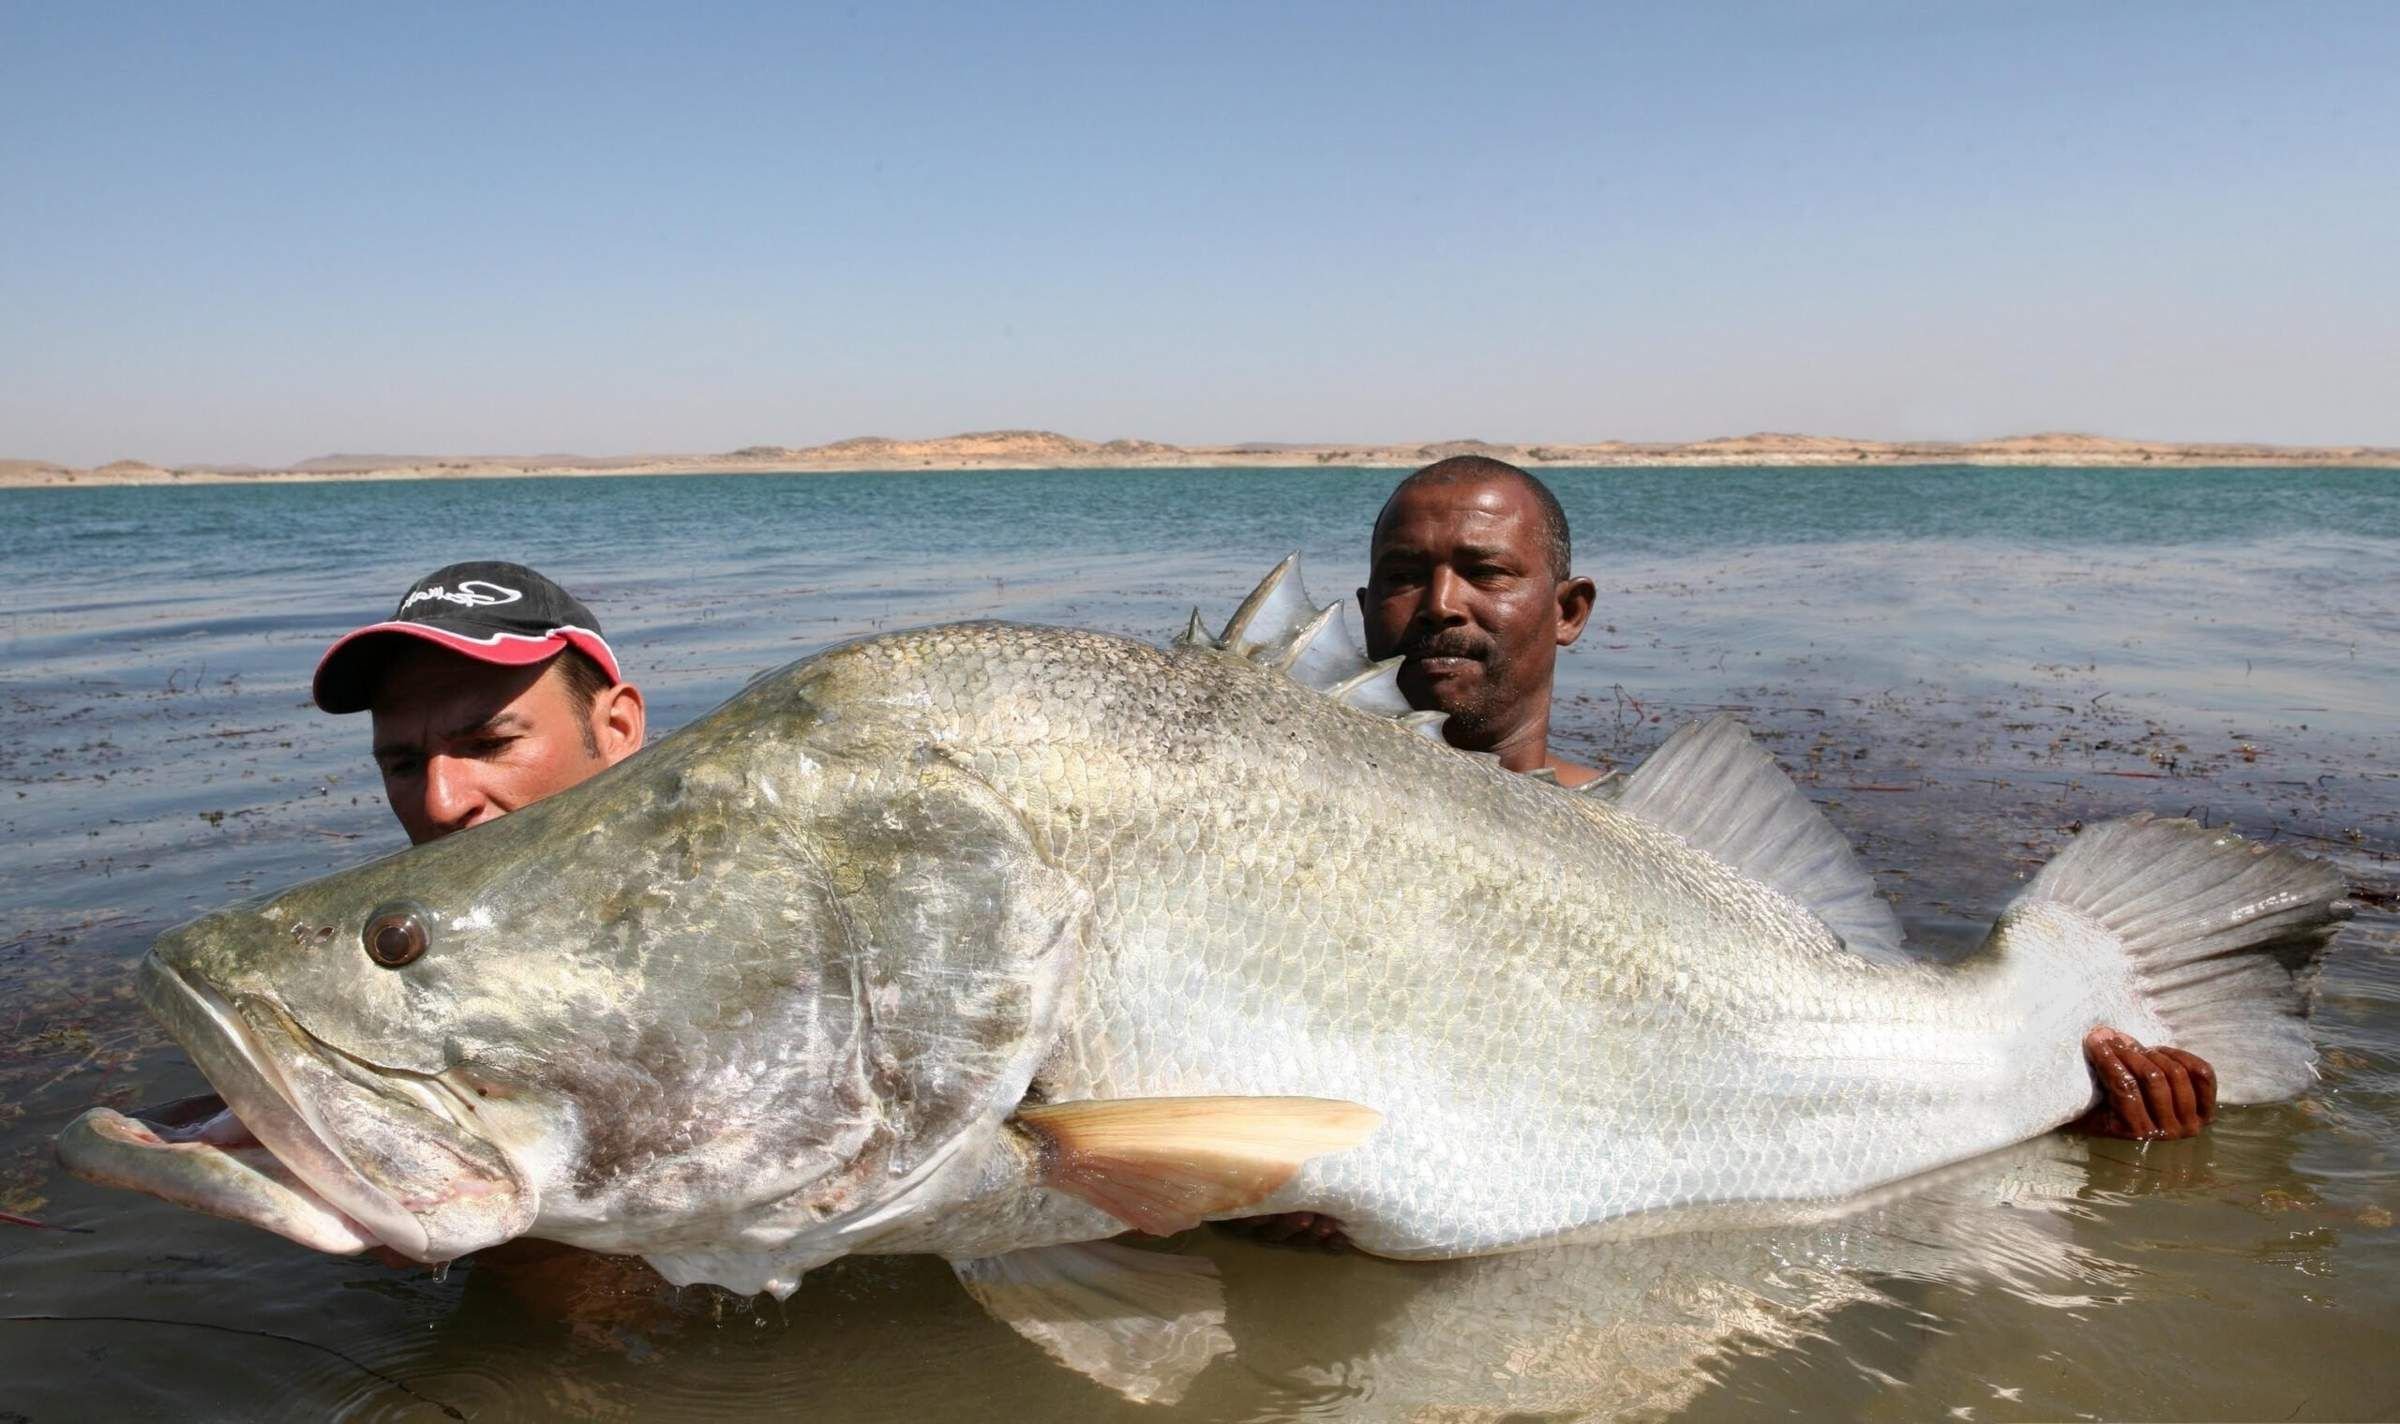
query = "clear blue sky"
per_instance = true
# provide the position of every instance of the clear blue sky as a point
(260, 233)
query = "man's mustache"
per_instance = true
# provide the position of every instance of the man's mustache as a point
(1446, 643)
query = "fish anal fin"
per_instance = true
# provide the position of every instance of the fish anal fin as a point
(1164, 1165)
(1718, 789)
(1142, 1323)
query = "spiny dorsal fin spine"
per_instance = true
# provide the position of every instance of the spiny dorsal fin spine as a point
(1278, 627)
(1195, 634)
(1375, 690)
(1275, 610)
(1287, 655)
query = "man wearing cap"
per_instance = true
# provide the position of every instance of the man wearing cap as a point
(490, 688)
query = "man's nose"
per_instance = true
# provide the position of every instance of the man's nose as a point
(1444, 603)
(454, 796)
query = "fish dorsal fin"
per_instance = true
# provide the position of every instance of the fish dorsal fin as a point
(1375, 690)
(1278, 626)
(1274, 611)
(1715, 787)
(1195, 634)
(1322, 653)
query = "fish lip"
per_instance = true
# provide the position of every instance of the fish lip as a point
(227, 1052)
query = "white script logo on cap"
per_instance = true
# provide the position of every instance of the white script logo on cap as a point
(473, 593)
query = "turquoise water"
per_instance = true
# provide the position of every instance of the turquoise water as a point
(353, 528)
(1960, 664)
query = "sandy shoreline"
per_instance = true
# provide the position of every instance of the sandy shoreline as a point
(1031, 449)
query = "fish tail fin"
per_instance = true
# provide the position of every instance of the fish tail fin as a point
(2219, 938)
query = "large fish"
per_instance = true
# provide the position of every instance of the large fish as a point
(993, 941)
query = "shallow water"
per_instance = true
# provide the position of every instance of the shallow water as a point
(1961, 665)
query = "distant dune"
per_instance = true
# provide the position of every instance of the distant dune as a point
(1047, 449)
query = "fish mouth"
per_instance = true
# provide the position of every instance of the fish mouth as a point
(306, 1189)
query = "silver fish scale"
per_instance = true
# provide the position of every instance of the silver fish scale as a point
(1566, 1015)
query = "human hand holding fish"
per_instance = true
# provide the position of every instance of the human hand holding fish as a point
(2147, 1094)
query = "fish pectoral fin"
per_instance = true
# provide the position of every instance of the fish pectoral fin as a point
(1143, 1323)
(1164, 1165)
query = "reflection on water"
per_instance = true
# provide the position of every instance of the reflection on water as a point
(1960, 666)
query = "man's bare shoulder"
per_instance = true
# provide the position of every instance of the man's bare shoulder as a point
(1570, 774)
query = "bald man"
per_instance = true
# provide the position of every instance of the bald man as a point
(1470, 579)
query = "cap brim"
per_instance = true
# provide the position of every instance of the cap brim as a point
(345, 678)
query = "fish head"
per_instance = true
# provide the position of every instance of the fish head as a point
(732, 976)
(314, 1132)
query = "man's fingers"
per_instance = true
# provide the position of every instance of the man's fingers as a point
(2204, 1082)
(2183, 1117)
(2146, 1093)
(2158, 1093)
(2123, 1087)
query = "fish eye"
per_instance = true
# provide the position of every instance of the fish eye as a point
(394, 937)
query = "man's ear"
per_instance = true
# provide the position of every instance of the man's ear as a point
(1575, 599)
(619, 721)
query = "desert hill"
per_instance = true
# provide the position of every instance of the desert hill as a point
(1048, 449)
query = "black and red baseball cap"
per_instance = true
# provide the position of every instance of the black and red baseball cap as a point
(487, 610)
